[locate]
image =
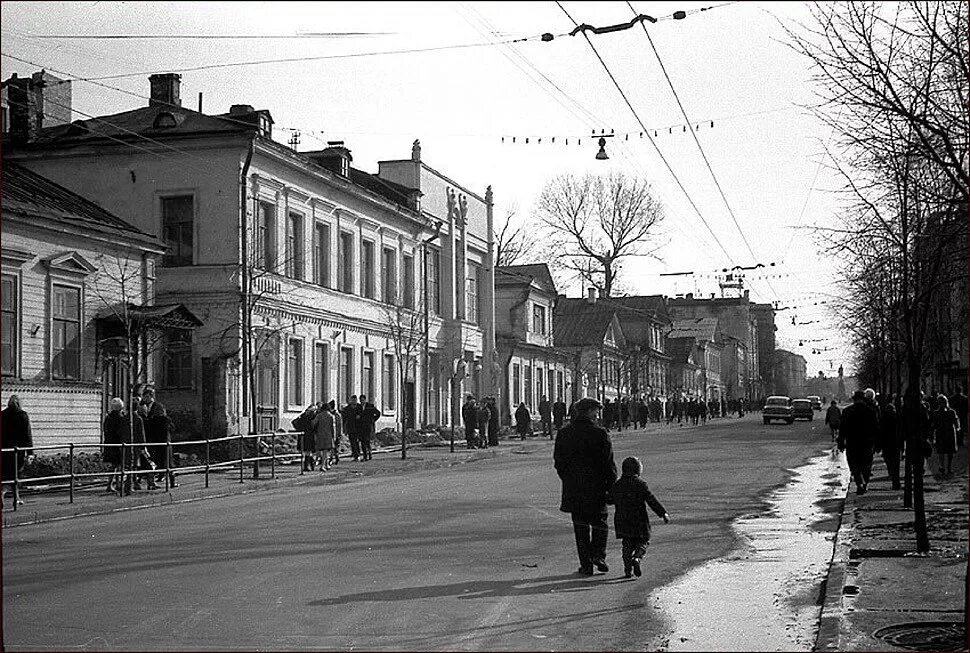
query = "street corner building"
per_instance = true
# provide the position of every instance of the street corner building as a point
(78, 307)
(295, 277)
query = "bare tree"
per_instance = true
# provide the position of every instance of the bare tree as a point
(515, 244)
(595, 222)
(408, 335)
(892, 82)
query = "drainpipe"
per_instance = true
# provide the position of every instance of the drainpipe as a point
(245, 280)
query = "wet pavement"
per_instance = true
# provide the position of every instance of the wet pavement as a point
(764, 595)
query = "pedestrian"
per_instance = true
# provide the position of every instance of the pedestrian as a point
(959, 404)
(702, 411)
(631, 496)
(482, 418)
(583, 456)
(890, 439)
(469, 417)
(369, 414)
(141, 460)
(350, 416)
(635, 412)
(558, 414)
(324, 436)
(493, 422)
(15, 431)
(833, 417)
(304, 425)
(945, 426)
(624, 411)
(523, 421)
(545, 416)
(331, 407)
(858, 432)
(607, 419)
(117, 431)
(158, 428)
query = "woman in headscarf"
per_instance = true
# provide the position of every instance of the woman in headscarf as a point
(16, 433)
(117, 431)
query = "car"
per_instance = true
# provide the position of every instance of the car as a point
(802, 409)
(777, 407)
(816, 402)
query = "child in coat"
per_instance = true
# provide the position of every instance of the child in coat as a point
(631, 496)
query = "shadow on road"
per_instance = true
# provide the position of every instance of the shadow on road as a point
(476, 589)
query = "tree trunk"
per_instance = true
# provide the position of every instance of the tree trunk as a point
(914, 456)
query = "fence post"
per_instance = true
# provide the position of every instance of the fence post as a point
(299, 447)
(168, 460)
(16, 479)
(207, 460)
(71, 469)
(272, 464)
(242, 461)
(124, 469)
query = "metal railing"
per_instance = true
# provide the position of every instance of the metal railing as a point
(129, 453)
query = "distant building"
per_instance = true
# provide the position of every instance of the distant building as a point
(589, 331)
(531, 365)
(645, 323)
(705, 333)
(77, 280)
(685, 376)
(790, 371)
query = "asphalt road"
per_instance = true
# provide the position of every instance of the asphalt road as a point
(475, 556)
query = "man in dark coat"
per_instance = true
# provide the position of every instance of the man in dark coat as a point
(369, 414)
(157, 428)
(583, 457)
(523, 420)
(483, 416)
(493, 422)
(545, 416)
(958, 402)
(350, 416)
(890, 439)
(469, 417)
(858, 434)
(15, 432)
(607, 414)
(558, 414)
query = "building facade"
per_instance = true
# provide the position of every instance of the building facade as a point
(589, 332)
(645, 323)
(313, 280)
(790, 370)
(706, 354)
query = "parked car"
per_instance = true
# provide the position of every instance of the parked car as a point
(802, 409)
(816, 402)
(777, 407)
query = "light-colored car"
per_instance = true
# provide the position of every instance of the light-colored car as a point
(802, 409)
(816, 402)
(777, 407)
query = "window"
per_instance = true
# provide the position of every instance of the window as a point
(66, 333)
(367, 268)
(177, 230)
(552, 386)
(346, 373)
(367, 375)
(321, 254)
(434, 281)
(539, 319)
(321, 376)
(516, 384)
(560, 389)
(294, 372)
(265, 254)
(471, 292)
(10, 324)
(177, 359)
(389, 275)
(539, 383)
(434, 384)
(387, 386)
(408, 288)
(528, 386)
(294, 246)
(459, 275)
(347, 259)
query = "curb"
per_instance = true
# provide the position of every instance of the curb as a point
(830, 623)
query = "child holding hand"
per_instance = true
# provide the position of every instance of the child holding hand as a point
(631, 496)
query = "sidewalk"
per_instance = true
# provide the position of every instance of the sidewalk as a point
(880, 594)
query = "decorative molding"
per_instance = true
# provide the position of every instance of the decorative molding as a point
(69, 264)
(15, 257)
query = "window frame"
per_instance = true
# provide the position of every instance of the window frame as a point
(407, 289)
(295, 243)
(472, 292)
(388, 386)
(539, 318)
(13, 316)
(182, 259)
(181, 347)
(79, 289)
(434, 280)
(347, 249)
(321, 254)
(321, 371)
(345, 370)
(295, 373)
(368, 380)
(368, 270)
(265, 246)
(389, 294)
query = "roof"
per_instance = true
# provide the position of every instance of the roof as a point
(577, 323)
(515, 274)
(389, 190)
(159, 316)
(679, 349)
(701, 328)
(27, 193)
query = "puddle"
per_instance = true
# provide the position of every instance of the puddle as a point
(764, 595)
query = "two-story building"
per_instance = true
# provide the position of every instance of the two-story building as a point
(645, 323)
(79, 324)
(589, 331)
(531, 366)
(706, 336)
(313, 280)
(685, 380)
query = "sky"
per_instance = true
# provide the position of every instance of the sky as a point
(744, 89)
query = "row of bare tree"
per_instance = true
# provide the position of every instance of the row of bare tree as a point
(893, 85)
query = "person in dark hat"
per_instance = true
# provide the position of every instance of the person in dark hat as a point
(858, 434)
(583, 456)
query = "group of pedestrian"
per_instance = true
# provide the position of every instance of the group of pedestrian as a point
(147, 427)
(480, 417)
(322, 429)
(583, 458)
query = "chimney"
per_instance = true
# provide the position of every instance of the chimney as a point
(165, 90)
(335, 158)
(35, 102)
(241, 109)
(591, 296)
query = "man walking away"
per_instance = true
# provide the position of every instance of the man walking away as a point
(338, 430)
(492, 422)
(324, 434)
(368, 421)
(558, 414)
(583, 456)
(482, 418)
(545, 416)
(523, 420)
(890, 439)
(304, 424)
(16, 433)
(857, 437)
(469, 417)
(350, 416)
(959, 404)
(833, 417)
(157, 431)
